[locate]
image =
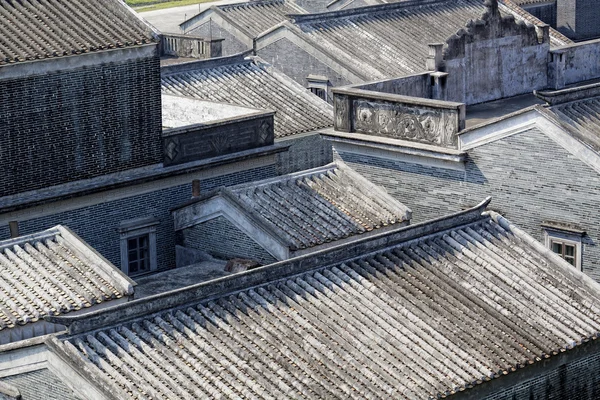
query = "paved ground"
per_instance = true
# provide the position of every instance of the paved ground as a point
(167, 20)
(179, 277)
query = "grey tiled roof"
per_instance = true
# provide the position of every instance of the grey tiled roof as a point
(252, 83)
(40, 29)
(425, 317)
(51, 273)
(313, 207)
(582, 119)
(525, 2)
(40, 385)
(257, 16)
(388, 40)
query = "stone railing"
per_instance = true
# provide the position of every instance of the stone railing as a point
(190, 46)
(394, 116)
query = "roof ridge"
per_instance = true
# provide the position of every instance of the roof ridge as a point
(361, 247)
(569, 95)
(386, 7)
(209, 63)
(285, 178)
(283, 78)
(245, 208)
(36, 236)
(247, 4)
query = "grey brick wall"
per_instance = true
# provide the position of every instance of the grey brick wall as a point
(40, 385)
(221, 239)
(545, 12)
(578, 19)
(231, 44)
(304, 153)
(98, 224)
(578, 380)
(298, 64)
(530, 178)
(78, 124)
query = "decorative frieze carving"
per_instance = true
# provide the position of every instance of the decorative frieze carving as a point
(197, 142)
(431, 126)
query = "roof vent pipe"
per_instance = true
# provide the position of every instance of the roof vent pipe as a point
(195, 188)
(13, 227)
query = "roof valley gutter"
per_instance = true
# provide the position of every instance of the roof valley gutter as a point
(284, 269)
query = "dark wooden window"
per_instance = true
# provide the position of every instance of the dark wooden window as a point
(566, 250)
(138, 253)
(319, 92)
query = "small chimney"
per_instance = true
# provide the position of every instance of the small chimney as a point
(13, 227)
(434, 59)
(196, 188)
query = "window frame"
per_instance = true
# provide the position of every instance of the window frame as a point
(135, 229)
(316, 90)
(318, 82)
(565, 237)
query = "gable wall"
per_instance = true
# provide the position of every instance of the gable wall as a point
(490, 69)
(296, 63)
(222, 239)
(305, 152)
(230, 46)
(530, 178)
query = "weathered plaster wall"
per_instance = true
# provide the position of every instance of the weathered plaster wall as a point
(296, 63)
(496, 68)
(231, 44)
(98, 224)
(80, 123)
(530, 178)
(221, 239)
(574, 63)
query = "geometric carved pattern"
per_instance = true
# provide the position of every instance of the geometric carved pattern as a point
(265, 132)
(172, 148)
(220, 143)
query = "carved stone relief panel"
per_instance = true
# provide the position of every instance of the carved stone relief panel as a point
(265, 132)
(437, 127)
(341, 108)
